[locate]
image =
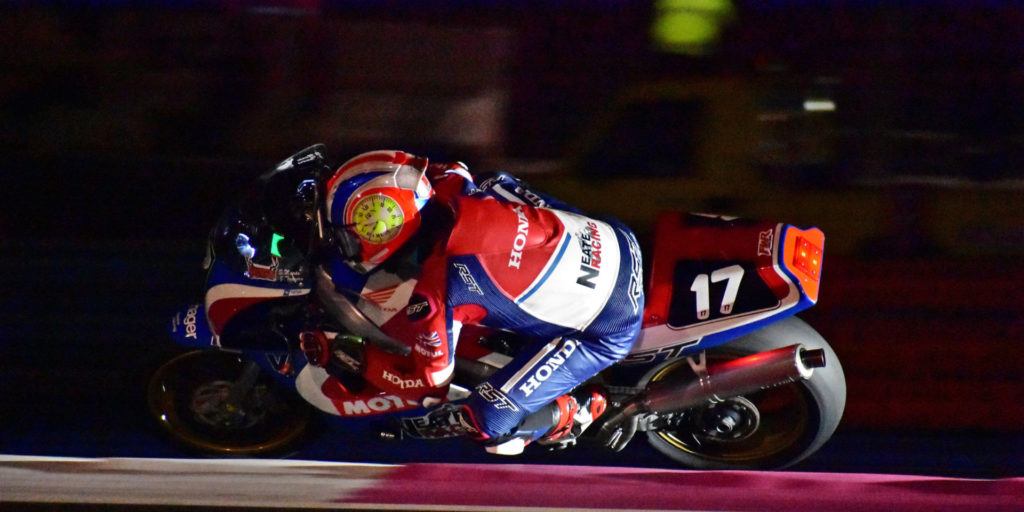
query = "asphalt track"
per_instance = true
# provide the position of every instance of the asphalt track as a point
(32, 483)
(79, 320)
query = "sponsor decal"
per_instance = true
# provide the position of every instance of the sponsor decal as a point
(466, 426)
(554, 362)
(448, 420)
(305, 159)
(765, 242)
(495, 397)
(515, 257)
(418, 308)
(658, 354)
(432, 338)
(347, 360)
(636, 283)
(400, 382)
(380, 297)
(467, 277)
(272, 272)
(190, 321)
(281, 363)
(590, 262)
(531, 196)
(440, 423)
(426, 352)
(489, 182)
(375, 405)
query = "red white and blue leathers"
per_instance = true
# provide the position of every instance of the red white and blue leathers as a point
(518, 261)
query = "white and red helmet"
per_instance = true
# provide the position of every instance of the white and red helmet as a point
(373, 204)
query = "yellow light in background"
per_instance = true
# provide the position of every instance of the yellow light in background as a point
(689, 26)
(819, 105)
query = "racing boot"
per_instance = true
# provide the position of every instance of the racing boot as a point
(575, 412)
(556, 425)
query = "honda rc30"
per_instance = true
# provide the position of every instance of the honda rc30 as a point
(722, 376)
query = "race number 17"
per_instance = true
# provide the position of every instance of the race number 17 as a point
(701, 287)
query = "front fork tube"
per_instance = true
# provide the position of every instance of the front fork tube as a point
(242, 388)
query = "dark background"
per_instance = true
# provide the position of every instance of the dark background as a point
(126, 126)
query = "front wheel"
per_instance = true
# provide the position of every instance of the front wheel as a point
(770, 429)
(220, 403)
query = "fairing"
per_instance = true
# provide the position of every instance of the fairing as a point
(714, 279)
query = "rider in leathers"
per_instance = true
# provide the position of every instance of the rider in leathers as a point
(501, 256)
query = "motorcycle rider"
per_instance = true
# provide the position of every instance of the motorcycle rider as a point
(498, 255)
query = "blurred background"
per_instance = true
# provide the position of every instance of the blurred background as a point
(895, 127)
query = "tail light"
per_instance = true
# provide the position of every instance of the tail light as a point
(802, 257)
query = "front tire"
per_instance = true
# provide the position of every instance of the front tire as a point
(188, 396)
(769, 429)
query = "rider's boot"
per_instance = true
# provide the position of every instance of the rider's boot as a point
(576, 412)
(556, 425)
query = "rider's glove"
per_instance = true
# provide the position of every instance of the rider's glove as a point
(316, 347)
(344, 352)
(451, 178)
(438, 170)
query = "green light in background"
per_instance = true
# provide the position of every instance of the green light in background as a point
(689, 26)
(273, 244)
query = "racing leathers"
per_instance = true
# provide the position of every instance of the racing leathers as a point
(508, 258)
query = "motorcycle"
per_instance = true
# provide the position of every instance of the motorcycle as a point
(722, 376)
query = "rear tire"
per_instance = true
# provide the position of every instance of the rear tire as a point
(770, 429)
(187, 394)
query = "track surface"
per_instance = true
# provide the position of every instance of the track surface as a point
(313, 485)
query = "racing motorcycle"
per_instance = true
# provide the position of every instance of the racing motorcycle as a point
(722, 376)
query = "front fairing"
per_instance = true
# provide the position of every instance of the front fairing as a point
(188, 328)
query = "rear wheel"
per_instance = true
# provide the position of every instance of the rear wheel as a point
(220, 403)
(769, 429)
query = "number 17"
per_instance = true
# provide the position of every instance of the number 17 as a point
(701, 287)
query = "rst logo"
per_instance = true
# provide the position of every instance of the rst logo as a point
(468, 279)
(375, 405)
(656, 355)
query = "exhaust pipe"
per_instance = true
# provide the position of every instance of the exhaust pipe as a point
(714, 384)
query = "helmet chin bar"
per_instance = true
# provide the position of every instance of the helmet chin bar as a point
(348, 244)
(350, 247)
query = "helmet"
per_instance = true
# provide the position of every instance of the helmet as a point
(373, 204)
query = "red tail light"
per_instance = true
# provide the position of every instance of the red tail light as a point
(807, 257)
